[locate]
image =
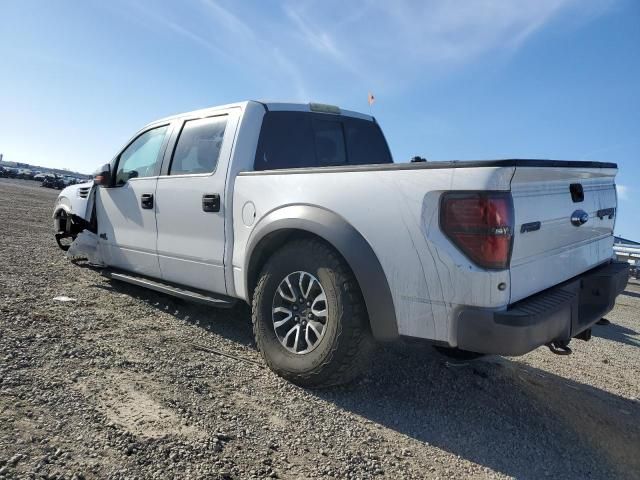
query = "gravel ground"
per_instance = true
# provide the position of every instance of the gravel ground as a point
(110, 385)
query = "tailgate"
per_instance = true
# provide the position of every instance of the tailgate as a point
(548, 247)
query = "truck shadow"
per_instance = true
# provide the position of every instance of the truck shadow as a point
(499, 413)
(220, 321)
(617, 333)
(629, 293)
(496, 412)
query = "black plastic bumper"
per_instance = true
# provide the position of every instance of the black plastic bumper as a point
(559, 313)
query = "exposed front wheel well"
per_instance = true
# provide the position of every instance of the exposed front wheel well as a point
(60, 219)
(68, 225)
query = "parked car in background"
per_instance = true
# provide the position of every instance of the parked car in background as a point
(25, 174)
(634, 271)
(53, 181)
(9, 172)
(299, 210)
(69, 180)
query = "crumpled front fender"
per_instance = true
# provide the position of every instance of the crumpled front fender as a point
(70, 212)
(71, 202)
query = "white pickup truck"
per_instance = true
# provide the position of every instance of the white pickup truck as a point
(299, 210)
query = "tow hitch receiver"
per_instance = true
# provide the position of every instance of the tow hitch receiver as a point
(560, 347)
(585, 335)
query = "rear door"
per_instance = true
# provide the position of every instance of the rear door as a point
(564, 219)
(126, 210)
(190, 203)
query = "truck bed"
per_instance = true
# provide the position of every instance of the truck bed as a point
(396, 209)
(513, 162)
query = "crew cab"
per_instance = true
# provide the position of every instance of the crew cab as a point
(299, 210)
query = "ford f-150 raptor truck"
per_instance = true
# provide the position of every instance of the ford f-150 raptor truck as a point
(299, 210)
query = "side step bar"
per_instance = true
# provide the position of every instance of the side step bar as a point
(173, 290)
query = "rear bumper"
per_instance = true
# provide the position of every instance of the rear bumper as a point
(559, 313)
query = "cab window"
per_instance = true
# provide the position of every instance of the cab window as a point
(304, 139)
(198, 146)
(142, 157)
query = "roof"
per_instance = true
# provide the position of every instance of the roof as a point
(270, 106)
(307, 107)
(203, 111)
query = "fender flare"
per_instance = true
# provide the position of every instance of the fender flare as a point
(353, 247)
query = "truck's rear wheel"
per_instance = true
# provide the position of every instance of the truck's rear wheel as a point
(309, 318)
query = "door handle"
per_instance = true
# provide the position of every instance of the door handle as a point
(211, 202)
(146, 201)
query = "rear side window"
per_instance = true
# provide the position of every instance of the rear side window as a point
(302, 139)
(198, 146)
(365, 142)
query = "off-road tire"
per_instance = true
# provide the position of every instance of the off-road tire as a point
(347, 342)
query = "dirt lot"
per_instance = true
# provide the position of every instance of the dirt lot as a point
(110, 385)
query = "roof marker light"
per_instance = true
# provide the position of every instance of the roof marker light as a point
(324, 108)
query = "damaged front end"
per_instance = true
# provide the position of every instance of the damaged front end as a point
(73, 213)
(85, 245)
(69, 226)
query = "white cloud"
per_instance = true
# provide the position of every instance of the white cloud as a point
(376, 44)
(166, 22)
(389, 44)
(240, 40)
(403, 36)
(320, 40)
(228, 20)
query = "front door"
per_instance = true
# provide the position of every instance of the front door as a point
(191, 203)
(126, 210)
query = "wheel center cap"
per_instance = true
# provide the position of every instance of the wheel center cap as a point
(299, 312)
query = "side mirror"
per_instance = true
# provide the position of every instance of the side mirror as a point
(103, 176)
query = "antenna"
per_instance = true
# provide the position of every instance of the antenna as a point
(370, 100)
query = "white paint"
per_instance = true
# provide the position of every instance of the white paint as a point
(70, 201)
(190, 243)
(559, 250)
(130, 230)
(396, 211)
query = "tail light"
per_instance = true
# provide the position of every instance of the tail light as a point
(480, 224)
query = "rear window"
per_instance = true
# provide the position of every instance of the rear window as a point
(302, 139)
(365, 142)
(329, 141)
(286, 141)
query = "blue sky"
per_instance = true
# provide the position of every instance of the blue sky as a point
(469, 79)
